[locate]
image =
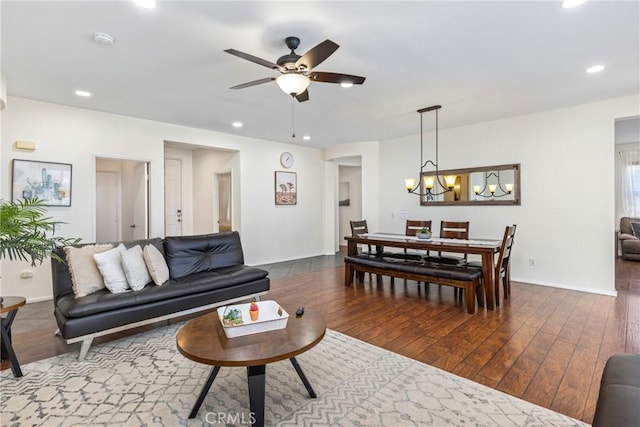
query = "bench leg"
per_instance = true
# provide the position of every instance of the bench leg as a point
(470, 297)
(479, 286)
(86, 343)
(348, 274)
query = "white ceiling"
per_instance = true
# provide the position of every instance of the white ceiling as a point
(480, 60)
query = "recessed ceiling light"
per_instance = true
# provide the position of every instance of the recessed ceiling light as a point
(595, 69)
(306, 137)
(572, 3)
(83, 93)
(147, 4)
(237, 124)
(103, 39)
(346, 84)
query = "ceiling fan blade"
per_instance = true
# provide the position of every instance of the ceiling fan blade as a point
(253, 83)
(320, 76)
(304, 96)
(317, 54)
(255, 59)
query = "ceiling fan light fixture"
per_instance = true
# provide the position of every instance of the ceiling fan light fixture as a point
(147, 4)
(293, 83)
(568, 4)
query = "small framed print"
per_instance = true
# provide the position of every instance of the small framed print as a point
(286, 188)
(47, 181)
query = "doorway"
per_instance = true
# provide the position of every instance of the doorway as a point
(349, 195)
(223, 204)
(122, 200)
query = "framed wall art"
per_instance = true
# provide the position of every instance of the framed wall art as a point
(47, 181)
(286, 188)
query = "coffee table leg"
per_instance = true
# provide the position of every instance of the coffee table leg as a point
(7, 346)
(303, 377)
(256, 377)
(205, 390)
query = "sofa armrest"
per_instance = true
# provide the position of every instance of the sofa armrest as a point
(626, 236)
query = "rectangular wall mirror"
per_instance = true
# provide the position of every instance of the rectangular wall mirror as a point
(486, 185)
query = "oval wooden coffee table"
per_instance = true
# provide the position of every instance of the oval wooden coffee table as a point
(203, 340)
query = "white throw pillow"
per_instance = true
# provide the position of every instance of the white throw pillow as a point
(110, 266)
(85, 276)
(156, 264)
(134, 268)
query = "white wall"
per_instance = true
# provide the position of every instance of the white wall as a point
(71, 135)
(566, 221)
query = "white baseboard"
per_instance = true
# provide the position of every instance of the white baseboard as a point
(563, 286)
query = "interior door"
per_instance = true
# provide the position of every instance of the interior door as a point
(140, 197)
(224, 201)
(107, 207)
(172, 197)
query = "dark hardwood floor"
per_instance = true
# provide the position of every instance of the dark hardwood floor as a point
(544, 345)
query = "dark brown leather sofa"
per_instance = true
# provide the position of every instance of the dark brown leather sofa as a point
(619, 399)
(206, 271)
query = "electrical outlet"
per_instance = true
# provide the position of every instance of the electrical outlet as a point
(532, 262)
(26, 274)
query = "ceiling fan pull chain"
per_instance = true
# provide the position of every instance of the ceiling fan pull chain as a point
(293, 126)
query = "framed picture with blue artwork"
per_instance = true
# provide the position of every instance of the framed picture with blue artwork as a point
(47, 181)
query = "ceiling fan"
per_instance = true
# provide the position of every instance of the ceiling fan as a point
(297, 71)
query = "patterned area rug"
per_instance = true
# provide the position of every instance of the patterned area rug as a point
(143, 380)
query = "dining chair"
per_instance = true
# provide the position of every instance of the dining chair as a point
(503, 266)
(502, 269)
(451, 230)
(411, 228)
(358, 228)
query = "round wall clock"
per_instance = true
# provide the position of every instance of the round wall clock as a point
(286, 159)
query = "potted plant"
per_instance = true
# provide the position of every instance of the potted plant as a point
(27, 233)
(423, 233)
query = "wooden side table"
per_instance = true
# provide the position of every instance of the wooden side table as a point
(10, 306)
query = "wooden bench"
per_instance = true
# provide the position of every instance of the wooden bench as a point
(466, 278)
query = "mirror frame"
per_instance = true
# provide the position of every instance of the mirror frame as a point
(492, 202)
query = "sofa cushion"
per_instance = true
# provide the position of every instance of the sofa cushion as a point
(110, 266)
(157, 266)
(135, 268)
(60, 270)
(187, 255)
(85, 276)
(635, 228)
(194, 284)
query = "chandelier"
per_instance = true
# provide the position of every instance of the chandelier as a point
(431, 185)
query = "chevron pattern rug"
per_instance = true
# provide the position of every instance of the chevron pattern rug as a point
(142, 380)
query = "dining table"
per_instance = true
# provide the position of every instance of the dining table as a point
(485, 248)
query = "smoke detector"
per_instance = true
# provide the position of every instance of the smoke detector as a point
(103, 39)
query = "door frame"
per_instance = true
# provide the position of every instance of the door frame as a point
(94, 196)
